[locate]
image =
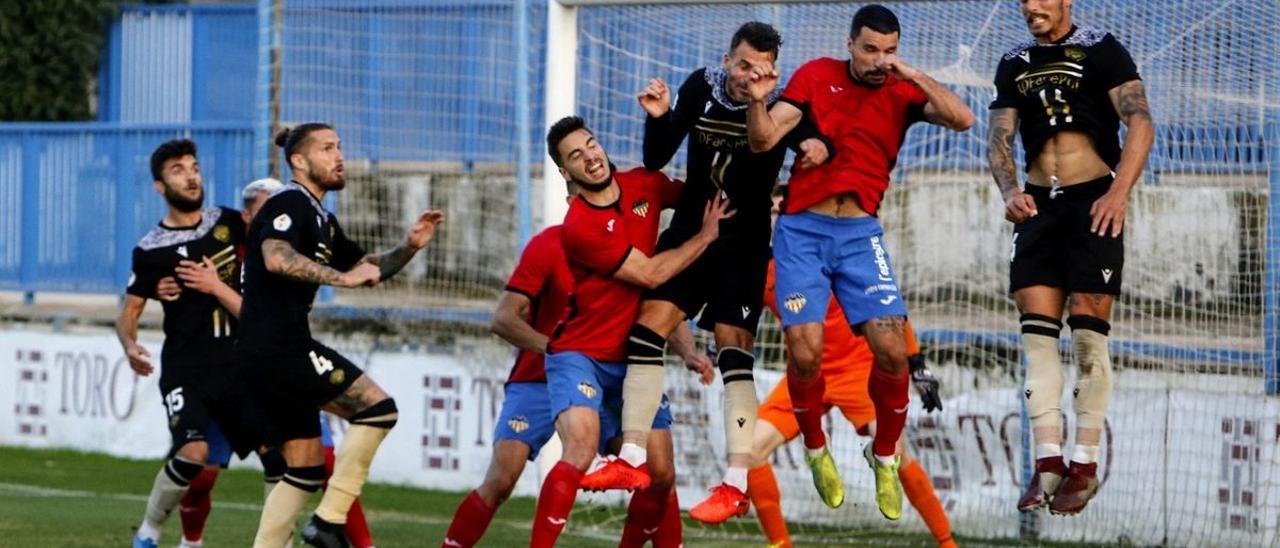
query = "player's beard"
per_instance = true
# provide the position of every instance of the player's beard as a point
(333, 180)
(181, 203)
(595, 187)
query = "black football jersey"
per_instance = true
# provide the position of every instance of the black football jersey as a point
(1064, 86)
(198, 331)
(719, 156)
(273, 318)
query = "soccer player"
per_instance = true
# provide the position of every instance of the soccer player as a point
(609, 237)
(199, 375)
(1066, 92)
(195, 504)
(829, 238)
(533, 303)
(294, 246)
(846, 365)
(725, 283)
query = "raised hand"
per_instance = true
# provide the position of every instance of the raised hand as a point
(656, 98)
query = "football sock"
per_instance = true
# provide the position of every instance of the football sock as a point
(280, 511)
(555, 501)
(351, 468)
(919, 490)
(890, 398)
(470, 521)
(768, 503)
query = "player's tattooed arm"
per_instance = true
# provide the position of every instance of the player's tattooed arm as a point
(281, 258)
(1003, 124)
(1130, 101)
(420, 234)
(390, 262)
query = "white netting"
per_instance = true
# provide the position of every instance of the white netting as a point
(423, 95)
(1190, 456)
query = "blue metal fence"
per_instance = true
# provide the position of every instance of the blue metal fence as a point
(75, 198)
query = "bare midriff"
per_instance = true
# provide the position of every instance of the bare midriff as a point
(844, 204)
(1068, 158)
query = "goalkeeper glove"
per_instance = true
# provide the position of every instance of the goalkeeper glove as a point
(926, 384)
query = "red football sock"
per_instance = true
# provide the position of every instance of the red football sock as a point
(196, 503)
(806, 403)
(671, 531)
(559, 490)
(357, 528)
(889, 395)
(470, 521)
(762, 486)
(644, 514)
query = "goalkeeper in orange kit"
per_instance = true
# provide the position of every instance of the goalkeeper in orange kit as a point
(846, 365)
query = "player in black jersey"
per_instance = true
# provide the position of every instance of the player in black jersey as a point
(1066, 93)
(294, 246)
(198, 377)
(727, 281)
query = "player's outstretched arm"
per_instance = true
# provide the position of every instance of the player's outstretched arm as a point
(650, 272)
(1003, 124)
(390, 262)
(509, 323)
(203, 277)
(1130, 101)
(127, 332)
(944, 107)
(282, 259)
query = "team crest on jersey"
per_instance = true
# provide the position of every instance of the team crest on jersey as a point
(518, 424)
(1074, 54)
(795, 302)
(587, 390)
(173, 421)
(337, 376)
(222, 233)
(641, 208)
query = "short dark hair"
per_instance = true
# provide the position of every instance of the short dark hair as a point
(874, 17)
(293, 139)
(760, 36)
(561, 129)
(168, 150)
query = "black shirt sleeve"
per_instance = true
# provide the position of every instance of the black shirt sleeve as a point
(143, 276)
(1113, 62)
(346, 253)
(663, 135)
(234, 222)
(1006, 94)
(285, 217)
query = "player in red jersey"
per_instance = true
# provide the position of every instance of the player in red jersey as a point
(609, 237)
(829, 239)
(533, 303)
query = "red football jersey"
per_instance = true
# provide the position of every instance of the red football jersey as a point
(597, 239)
(867, 125)
(543, 276)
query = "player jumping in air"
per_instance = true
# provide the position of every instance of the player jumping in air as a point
(725, 283)
(1066, 92)
(294, 246)
(609, 238)
(828, 237)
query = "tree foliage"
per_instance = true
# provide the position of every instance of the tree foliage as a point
(49, 54)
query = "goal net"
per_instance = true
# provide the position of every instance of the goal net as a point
(1189, 455)
(426, 96)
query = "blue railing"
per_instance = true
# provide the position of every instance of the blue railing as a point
(75, 198)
